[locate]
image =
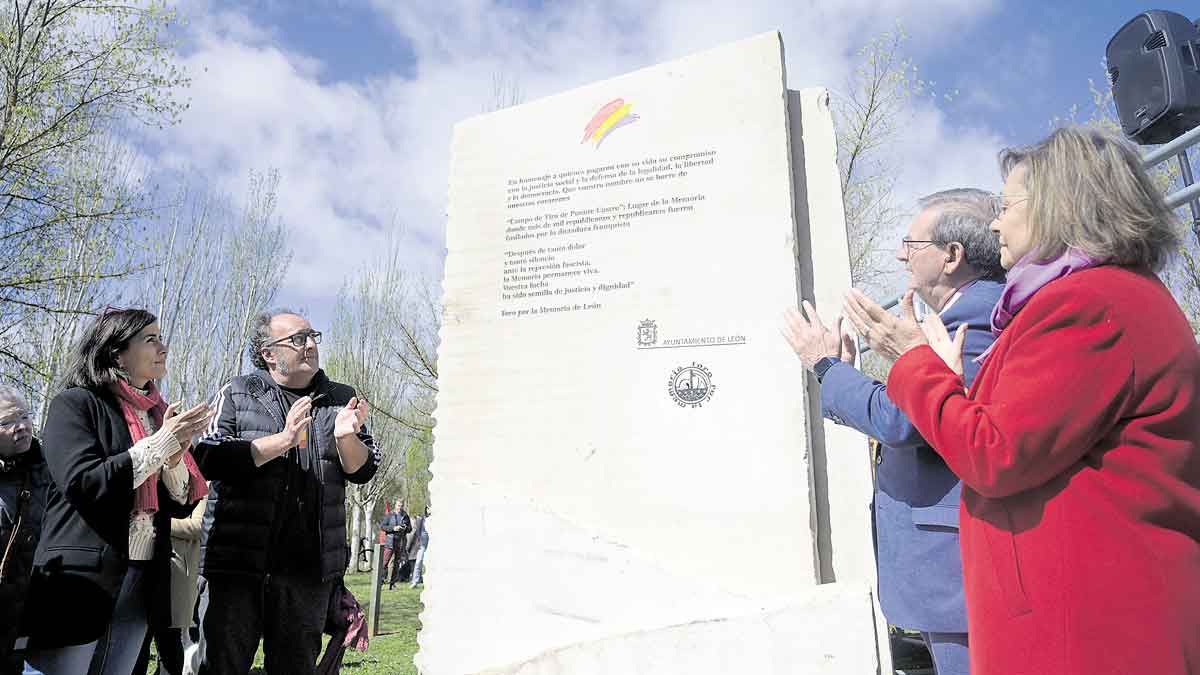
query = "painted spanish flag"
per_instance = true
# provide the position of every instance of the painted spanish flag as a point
(616, 113)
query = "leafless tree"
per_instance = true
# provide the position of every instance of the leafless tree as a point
(870, 114)
(71, 269)
(73, 75)
(384, 339)
(214, 271)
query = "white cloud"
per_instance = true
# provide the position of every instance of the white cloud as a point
(345, 172)
(357, 157)
(947, 156)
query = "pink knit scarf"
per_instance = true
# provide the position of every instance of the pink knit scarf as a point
(145, 498)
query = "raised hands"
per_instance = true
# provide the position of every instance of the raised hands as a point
(187, 424)
(298, 417)
(351, 418)
(951, 350)
(889, 335)
(811, 340)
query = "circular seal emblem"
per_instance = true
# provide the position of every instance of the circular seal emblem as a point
(691, 386)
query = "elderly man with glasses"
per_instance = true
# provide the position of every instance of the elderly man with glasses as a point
(24, 480)
(283, 443)
(953, 261)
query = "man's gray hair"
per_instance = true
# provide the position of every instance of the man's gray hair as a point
(260, 334)
(11, 395)
(965, 216)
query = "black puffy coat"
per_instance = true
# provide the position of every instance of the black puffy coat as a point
(23, 485)
(244, 500)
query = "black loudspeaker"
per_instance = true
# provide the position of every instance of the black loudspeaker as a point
(1154, 69)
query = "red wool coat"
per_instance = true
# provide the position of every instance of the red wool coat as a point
(1079, 450)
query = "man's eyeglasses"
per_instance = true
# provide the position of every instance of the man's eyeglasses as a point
(14, 422)
(298, 340)
(913, 245)
(999, 206)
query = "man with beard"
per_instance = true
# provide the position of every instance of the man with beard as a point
(283, 443)
(23, 482)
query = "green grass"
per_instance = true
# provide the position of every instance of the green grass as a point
(391, 651)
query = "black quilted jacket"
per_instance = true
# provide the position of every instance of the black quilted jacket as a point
(244, 500)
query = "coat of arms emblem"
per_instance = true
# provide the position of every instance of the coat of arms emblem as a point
(647, 333)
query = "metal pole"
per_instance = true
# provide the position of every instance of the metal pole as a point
(1190, 192)
(1183, 196)
(1185, 170)
(1166, 151)
(863, 347)
(377, 572)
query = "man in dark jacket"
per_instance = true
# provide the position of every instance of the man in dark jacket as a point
(395, 526)
(953, 260)
(283, 443)
(23, 482)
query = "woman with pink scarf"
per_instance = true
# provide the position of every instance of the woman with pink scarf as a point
(119, 458)
(1078, 443)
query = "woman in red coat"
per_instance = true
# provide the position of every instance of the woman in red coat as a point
(1079, 442)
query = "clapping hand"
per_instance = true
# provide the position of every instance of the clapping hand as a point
(889, 336)
(811, 340)
(351, 418)
(950, 350)
(298, 417)
(185, 425)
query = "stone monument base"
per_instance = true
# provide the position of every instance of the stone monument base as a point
(829, 632)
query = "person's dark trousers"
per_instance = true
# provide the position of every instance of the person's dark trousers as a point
(168, 644)
(11, 662)
(396, 559)
(143, 662)
(286, 612)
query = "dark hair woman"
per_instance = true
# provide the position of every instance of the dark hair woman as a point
(1078, 443)
(121, 468)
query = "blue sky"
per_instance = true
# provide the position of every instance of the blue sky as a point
(354, 101)
(1032, 60)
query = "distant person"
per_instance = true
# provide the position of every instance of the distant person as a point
(395, 526)
(1079, 442)
(953, 263)
(118, 456)
(283, 444)
(171, 641)
(24, 482)
(416, 548)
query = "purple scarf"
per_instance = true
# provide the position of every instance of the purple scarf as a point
(1028, 277)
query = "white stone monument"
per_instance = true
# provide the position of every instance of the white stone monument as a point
(629, 475)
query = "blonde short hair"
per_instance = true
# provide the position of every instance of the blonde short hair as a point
(1087, 190)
